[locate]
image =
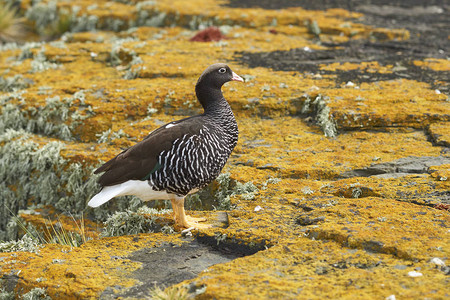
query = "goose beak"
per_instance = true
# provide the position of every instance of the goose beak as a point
(236, 77)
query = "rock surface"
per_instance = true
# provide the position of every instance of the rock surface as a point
(344, 120)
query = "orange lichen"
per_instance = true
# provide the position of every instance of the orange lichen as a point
(435, 64)
(440, 133)
(379, 105)
(326, 240)
(287, 146)
(308, 269)
(441, 173)
(81, 272)
(370, 67)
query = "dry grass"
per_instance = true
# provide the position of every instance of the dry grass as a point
(170, 293)
(12, 28)
(54, 232)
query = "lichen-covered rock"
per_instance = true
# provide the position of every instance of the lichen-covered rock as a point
(337, 188)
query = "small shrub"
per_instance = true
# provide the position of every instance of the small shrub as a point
(127, 223)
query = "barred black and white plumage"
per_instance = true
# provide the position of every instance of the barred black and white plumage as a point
(179, 157)
(195, 159)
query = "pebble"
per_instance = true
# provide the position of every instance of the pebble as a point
(437, 261)
(258, 208)
(414, 274)
(391, 297)
(314, 88)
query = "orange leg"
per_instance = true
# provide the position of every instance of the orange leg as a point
(180, 217)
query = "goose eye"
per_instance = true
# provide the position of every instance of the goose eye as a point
(222, 70)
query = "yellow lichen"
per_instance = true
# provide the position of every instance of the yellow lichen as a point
(83, 271)
(326, 236)
(440, 133)
(435, 64)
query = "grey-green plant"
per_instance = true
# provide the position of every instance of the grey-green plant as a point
(118, 51)
(57, 118)
(133, 72)
(265, 88)
(167, 229)
(229, 187)
(248, 77)
(318, 106)
(220, 237)
(114, 24)
(313, 27)
(5, 295)
(217, 195)
(271, 180)
(127, 223)
(26, 52)
(12, 230)
(151, 110)
(138, 219)
(156, 19)
(50, 20)
(200, 22)
(40, 63)
(35, 173)
(169, 97)
(43, 14)
(145, 210)
(36, 294)
(13, 83)
(306, 190)
(9, 46)
(84, 22)
(107, 136)
(44, 90)
(357, 192)
(92, 7)
(26, 243)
